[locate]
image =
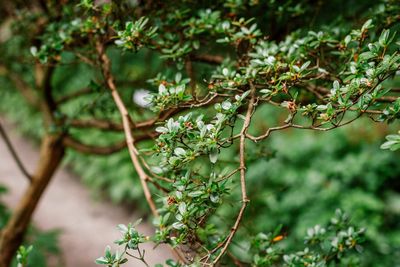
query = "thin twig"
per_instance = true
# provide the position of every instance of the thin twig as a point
(242, 167)
(228, 175)
(267, 133)
(296, 126)
(85, 59)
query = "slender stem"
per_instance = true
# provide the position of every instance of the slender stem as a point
(229, 175)
(245, 200)
(296, 126)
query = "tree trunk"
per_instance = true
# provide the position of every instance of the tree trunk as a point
(11, 237)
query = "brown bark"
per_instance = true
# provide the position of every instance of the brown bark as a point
(51, 154)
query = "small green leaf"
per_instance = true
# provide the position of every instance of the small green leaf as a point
(226, 105)
(179, 151)
(161, 130)
(214, 155)
(182, 208)
(101, 260)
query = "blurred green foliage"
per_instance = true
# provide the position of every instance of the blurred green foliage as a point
(313, 174)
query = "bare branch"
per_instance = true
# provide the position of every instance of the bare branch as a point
(242, 168)
(296, 126)
(203, 102)
(14, 153)
(85, 59)
(114, 126)
(69, 141)
(126, 122)
(96, 123)
(210, 59)
(387, 99)
(229, 175)
(267, 133)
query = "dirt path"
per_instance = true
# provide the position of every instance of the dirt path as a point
(87, 226)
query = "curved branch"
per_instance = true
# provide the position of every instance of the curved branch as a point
(296, 126)
(267, 133)
(96, 123)
(69, 141)
(73, 143)
(14, 153)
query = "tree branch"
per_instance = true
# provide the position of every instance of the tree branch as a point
(70, 142)
(126, 122)
(242, 168)
(14, 153)
(114, 126)
(26, 91)
(96, 123)
(73, 143)
(296, 126)
(205, 58)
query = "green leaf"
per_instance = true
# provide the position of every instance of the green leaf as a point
(367, 25)
(395, 147)
(101, 260)
(180, 151)
(182, 208)
(226, 105)
(161, 130)
(195, 193)
(393, 137)
(214, 198)
(122, 228)
(214, 155)
(384, 38)
(178, 77)
(388, 144)
(305, 65)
